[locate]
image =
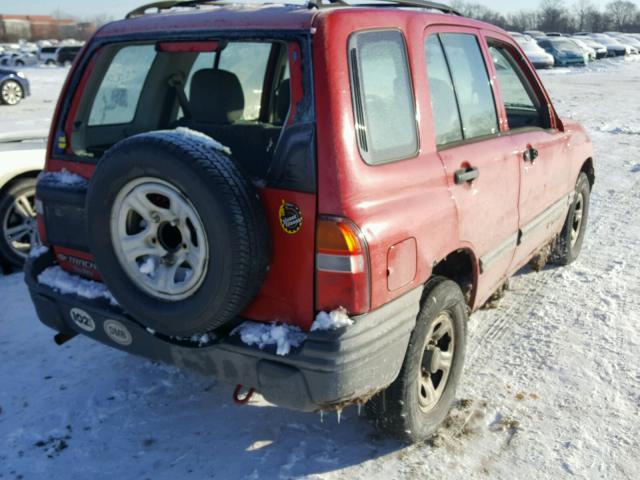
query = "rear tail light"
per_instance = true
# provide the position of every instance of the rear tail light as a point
(342, 266)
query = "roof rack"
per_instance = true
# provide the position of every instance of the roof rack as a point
(169, 4)
(387, 3)
(164, 5)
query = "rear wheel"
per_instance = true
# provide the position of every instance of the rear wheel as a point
(11, 92)
(19, 231)
(415, 405)
(570, 241)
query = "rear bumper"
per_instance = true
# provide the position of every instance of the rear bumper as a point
(329, 370)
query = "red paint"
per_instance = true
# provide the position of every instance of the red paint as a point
(287, 292)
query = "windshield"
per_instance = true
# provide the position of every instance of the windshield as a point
(562, 43)
(607, 40)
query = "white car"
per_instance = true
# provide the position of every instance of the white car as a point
(22, 158)
(591, 52)
(536, 55)
(48, 55)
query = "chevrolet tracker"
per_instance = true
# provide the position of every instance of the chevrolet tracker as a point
(305, 200)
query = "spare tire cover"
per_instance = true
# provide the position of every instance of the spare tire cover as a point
(178, 233)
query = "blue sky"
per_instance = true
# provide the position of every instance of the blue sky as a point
(118, 8)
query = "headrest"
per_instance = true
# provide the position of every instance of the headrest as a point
(283, 101)
(216, 97)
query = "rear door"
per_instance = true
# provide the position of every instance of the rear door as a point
(482, 175)
(537, 145)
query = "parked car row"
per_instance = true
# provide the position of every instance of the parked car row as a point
(546, 50)
(49, 55)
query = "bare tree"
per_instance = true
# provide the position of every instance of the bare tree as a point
(622, 14)
(583, 11)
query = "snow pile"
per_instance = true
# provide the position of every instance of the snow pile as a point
(204, 339)
(285, 337)
(63, 177)
(65, 283)
(148, 267)
(38, 251)
(187, 132)
(332, 320)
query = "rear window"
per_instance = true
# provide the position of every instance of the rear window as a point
(382, 97)
(117, 97)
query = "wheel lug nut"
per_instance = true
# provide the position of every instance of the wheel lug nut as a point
(155, 217)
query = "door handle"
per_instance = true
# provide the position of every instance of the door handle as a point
(530, 154)
(466, 175)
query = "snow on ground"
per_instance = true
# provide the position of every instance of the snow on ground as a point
(551, 386)
(34, 113)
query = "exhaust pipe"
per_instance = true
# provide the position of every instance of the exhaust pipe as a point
(62, 338)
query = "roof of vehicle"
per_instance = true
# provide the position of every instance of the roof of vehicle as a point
(259, 17)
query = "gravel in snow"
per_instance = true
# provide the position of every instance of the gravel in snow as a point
(551, 387)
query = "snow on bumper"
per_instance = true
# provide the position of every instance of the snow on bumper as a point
(331, 368)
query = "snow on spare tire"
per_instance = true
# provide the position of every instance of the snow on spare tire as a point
(178, 232)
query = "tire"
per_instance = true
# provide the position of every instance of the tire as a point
(403, 411)
(569, 243)
(18, 234)
(51, 63)
(11, 92)
(221, 226)
(19, 63)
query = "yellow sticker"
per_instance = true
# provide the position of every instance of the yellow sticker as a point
(290, 217)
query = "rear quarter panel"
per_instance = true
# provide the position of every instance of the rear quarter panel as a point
(390, 203)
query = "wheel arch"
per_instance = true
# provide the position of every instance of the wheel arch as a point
(589, 170)
(10, 182)
(460, 266)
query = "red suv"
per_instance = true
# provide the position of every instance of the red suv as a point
(304, 200)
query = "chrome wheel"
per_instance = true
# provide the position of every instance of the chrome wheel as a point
(11, 92)
(437, 361)
(159, 239)
(578, 213)
(19, 226)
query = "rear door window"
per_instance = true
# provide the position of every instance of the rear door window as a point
(382, 96)
(444, 105)
(117, 98)
(472, 85)
(248, 61)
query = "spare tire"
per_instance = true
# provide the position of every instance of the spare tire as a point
(178, 233)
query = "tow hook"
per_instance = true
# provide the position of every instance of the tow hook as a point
(62, 338)
(247, 397)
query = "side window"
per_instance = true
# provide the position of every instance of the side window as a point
(472, 86)
(523, 107)
(117, 98)
(444, 106)
(248, 61)
(382, 96)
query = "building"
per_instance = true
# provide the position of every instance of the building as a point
(14, 28)
(42, 27)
